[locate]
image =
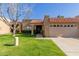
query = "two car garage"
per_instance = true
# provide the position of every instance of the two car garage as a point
(64, 30)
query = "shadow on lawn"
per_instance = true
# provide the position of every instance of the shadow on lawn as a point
(8, 44)
(25, 35)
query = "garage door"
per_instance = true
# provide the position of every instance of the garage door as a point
(63, 31)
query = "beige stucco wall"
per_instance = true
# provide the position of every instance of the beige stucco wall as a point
(46, 26)
(4, 28)
(63, 31)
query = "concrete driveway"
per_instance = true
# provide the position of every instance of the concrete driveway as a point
(69, 45)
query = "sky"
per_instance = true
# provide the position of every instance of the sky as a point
(53, 10)
(39, 10)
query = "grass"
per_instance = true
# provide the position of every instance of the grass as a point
(29, 46)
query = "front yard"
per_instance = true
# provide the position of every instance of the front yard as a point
(28, 47)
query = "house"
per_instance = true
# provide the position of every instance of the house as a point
(4, 27)
(53, 27)
(48, 27)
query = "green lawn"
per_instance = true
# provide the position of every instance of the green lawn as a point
(28, 47)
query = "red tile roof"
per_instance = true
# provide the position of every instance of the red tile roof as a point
(64, 20)
(56, 20)
(36, 21)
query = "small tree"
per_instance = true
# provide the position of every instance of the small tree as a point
(15, 12)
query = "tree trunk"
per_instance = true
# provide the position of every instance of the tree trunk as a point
(16, 39)
(14, 30)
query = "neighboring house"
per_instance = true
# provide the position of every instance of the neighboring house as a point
(53, 27)
(4, 28)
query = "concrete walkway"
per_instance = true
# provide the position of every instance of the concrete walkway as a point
(69, 45)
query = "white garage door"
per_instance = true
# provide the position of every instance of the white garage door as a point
(63, 31)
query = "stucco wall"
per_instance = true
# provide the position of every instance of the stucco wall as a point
(46, 26)
(4, 28)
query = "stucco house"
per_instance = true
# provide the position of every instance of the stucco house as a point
(4, 27)
(53, 27)
(48, 27)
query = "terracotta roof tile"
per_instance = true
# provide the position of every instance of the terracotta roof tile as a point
(59, 20)
(36, 22)
(64, 20)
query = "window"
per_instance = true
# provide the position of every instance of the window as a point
(57, 25)
(71, 25)
(64, 25)
(68, 26)
(54, 25)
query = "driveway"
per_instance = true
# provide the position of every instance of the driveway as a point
(69, 45)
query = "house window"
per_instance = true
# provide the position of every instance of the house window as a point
(71, 25)
(61, 25)
(64, 25)
(57, 25)
(68, 26)
(54, 25)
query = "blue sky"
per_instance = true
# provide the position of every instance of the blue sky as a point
(39, 10)
(53, 10)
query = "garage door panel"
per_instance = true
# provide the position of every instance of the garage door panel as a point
(63, 31)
